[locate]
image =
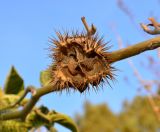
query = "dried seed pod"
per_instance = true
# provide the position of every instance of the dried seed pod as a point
(80, 61)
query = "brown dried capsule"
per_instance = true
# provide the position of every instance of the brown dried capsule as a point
(80, 61)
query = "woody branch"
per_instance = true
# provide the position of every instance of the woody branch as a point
(113, 57)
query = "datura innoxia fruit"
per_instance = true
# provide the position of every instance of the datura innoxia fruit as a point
(80, 61)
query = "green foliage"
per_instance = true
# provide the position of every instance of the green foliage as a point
(47, 118)
(139, 117)
(14, 83)
(38, 117)
(136, 116)
(9, 99)
(13, 126)
(97, 119)
(65, 121)
(35, 120)
(45, 77)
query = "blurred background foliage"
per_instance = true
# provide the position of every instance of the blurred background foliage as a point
(135, 116)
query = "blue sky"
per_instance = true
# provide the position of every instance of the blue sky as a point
(25, 28)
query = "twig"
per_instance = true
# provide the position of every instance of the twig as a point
(42, 115)
(133, 50)
(28, 89)
(28, 107)
(154, 23)
(146, 84)
(155, 108)
(90, 31)
(112, 57)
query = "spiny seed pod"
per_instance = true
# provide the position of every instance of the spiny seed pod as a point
(80, 61)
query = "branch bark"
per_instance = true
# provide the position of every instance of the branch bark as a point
(134, 50)
(112, 57)
(28, 107)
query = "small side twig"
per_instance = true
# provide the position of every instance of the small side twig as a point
(30, 89)
(155, 108)
(18, 102)
(145, 83)
(90, 31)
(21, 114)
(153, 23)
(42, 115)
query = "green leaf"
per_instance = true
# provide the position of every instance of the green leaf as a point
(13, 126)
(51, 129)
(48, 118)
(36, 120)
(9, 99)
(65, 121)
(45, 78)
(14, 83)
